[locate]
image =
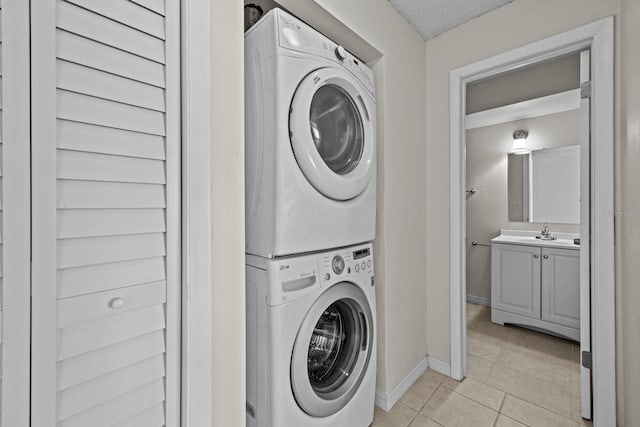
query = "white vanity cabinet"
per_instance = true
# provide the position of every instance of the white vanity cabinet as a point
(536, 286)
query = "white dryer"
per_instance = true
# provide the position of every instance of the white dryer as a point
(311, 339)
(310, 133)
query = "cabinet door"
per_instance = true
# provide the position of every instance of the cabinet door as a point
(515, 279)
(106, 212)
(561, 286)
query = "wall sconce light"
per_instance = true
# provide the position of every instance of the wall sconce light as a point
(520, 142)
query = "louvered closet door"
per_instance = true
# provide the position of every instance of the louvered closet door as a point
(105, 172)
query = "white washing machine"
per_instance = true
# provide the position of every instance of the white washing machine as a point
(311, 339)
(310, 135)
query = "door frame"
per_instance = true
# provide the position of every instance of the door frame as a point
(599, 37)
(197, 325)
(16, 227)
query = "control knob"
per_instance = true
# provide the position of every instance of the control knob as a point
(341, 53)
(337, 264)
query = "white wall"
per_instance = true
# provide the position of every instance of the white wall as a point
(487, 209)
(400, 247)
(227, 210)
(511, 26)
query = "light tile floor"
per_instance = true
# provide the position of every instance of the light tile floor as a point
(515, 378)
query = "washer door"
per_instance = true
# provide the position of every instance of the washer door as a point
(332, 350)
(332, 133)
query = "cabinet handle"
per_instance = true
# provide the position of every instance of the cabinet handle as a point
(536, 256)
(116, 303)
(545, 256)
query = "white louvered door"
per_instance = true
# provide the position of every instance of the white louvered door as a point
(106, 213)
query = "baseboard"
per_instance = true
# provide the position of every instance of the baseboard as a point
(479, 300)
(385, 401)
(439, 366)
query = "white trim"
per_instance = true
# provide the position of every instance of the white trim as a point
(439, 366)
(386, 401)
(43, 213)
(551, 104)
(196, 199)
(501, 317)
(599, 37)
(603, 309)
(479, 300)
(457, 255)
(173, 233)
(16, 227)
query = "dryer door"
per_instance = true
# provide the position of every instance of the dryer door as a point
(332, 350)
(332, 129)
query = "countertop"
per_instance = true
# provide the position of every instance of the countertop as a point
(522, 237)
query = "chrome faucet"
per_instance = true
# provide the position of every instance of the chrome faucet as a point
(545, 234)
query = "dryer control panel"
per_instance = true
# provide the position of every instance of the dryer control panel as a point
(296, 35)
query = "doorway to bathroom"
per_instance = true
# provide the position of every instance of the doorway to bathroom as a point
(522, 226)
(591, 105)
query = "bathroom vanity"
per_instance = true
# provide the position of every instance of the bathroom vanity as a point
(535, 282)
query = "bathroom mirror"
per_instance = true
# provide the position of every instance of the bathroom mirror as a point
(544, 186)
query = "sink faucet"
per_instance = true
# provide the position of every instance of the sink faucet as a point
(545, 233)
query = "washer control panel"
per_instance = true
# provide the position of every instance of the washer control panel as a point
(292, 277)
(343, 263)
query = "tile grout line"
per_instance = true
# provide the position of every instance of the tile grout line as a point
(440, 385)
(517, 421)
(424, 404)
(416, 414)
(542, 407)
(474, 400)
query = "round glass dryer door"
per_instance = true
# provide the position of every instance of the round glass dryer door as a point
(333, 133)
(332, 350)
(336, 128)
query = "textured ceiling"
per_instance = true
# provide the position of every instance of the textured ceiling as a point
(432, 17)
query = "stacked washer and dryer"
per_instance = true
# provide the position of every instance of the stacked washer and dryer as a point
(310, 219)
